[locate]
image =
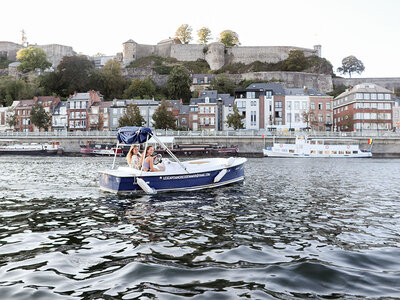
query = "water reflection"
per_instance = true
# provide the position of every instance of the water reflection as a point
(294, 228)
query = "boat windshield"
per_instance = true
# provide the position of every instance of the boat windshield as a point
(133, 135)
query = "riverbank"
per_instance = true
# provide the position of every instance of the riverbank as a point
(249, 146)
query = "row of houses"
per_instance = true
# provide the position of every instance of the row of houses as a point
(262, 106)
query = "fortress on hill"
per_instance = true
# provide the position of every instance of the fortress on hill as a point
(216, 54)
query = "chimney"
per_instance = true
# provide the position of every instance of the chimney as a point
(305, 90)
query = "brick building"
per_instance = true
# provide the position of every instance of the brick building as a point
(364, 107)
(79, 109)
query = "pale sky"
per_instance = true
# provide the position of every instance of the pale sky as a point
(364, 28)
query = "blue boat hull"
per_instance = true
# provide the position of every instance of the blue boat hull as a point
(179, 182)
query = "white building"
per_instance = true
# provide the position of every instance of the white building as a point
(5, 113)
(59, 117)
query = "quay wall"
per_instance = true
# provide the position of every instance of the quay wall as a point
(248, 145)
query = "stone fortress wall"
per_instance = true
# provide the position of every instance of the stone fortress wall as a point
(54, 52)
(9, 49)
(215, 53)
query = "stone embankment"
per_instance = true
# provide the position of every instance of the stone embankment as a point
(251, 146)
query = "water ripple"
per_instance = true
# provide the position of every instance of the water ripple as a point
(295, 229)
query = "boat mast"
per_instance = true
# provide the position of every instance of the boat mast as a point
(115, 155)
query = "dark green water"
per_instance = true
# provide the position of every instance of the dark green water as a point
(297, 228)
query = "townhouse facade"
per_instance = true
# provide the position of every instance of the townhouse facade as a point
(270, 106)
(7, 112)
(396, 115)
(79, 107)
(118, 108)
(209, 111)
(364, 107)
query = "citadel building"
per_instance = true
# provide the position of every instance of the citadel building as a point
(216, 54)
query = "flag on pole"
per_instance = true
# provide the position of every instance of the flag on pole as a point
(369, 141)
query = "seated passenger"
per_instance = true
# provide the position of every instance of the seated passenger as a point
(148, 160)
(133, 157)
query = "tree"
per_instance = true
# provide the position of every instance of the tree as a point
(235, 120)
(131, 117)
(296, 61)
(74, 72)
(12, 89)
(229, 38)
(308, 117)
(109, 80)
(351, 64)
(32, 58)
(140, 89)
(223, 84)
(163, 119)
(11, 118)
(39, 117)
(204, 35)
(184, 33)
(178, 84)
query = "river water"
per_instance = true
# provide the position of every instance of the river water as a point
(296, 228)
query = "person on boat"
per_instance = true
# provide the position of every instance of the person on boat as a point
(133, 157)
(148, 160)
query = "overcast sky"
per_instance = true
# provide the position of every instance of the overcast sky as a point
(364, 28)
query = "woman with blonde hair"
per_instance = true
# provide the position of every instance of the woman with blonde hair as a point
(133, 157)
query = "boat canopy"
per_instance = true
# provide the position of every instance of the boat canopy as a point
(133, 135)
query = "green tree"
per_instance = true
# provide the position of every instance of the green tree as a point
(223, 84)
(39, 117)
(351, 64)
(178, 84)
(204, 35)
(32, 58)
(235, 120)
(140, 89)
(11, 118)
(109, 80)
(131, 117)
(184, 33)
(12, 89)
(296, 61)
(163, 119)
(74, 73)
(229, 38)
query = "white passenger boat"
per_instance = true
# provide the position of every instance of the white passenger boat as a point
(51, 148)
(177, 176)
(304, 147)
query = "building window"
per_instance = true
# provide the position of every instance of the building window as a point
(380, 96)
(289, 105)
(268, 94)
(202, 110)
(328, 105)
(366, 96)
(296, 105)
(250, 95)
(320, 118)
(320, 105)
(388, 106)
(313, 105)
(328, 119)
(253, 118)
(359, 96)
(387, 96)
(194, 117)
(278, 104)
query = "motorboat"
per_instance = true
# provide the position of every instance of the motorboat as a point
(177, 175)
(98, 149)
(51, 148)
(305, 147)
